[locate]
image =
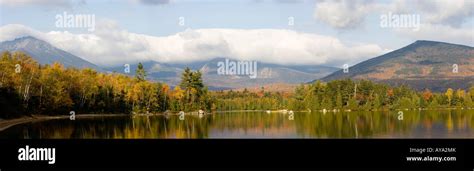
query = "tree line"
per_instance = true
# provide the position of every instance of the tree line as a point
(347, 94)
(27, 87)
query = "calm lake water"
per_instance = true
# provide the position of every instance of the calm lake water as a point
(415, 124)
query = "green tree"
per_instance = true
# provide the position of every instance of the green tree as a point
(140, 73)
(339, 100)
(352, 104)
(405, 103)
(377, 102)
(434, 103)
(192, 84)
(468, 101)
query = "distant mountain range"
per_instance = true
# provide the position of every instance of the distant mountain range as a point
(420, 65)
(45, 53)
(266, 73)
(423, 64)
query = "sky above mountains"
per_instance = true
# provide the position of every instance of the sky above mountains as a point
(288, 32)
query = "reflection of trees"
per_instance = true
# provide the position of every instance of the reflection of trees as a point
(252, 124)
(319, 125)
(380, 124)
(165, 127)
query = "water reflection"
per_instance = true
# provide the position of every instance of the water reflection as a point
(415, 124)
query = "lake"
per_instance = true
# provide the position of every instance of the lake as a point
(415, 124)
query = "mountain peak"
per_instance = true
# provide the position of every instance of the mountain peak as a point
(28, 39)
(421, 43)
(28, 42)
(416, 64)
(45, 53)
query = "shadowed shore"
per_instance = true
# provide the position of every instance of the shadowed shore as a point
(7, 123)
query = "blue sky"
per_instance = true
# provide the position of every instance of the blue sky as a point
(354, 26)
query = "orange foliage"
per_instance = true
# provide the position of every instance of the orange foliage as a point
(427, 94)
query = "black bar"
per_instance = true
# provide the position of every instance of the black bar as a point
(241, 153)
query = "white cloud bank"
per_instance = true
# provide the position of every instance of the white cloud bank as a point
(110, 45)
(345, 14)
(441, 20)
(45, 3)
(348, 14)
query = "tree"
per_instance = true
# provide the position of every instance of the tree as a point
(377, 102)
(458, 100)
(140, 73)
(326, 103)
(434, 103)
(88, 88)
(143, 97)
(405, 103)
(416, 101)
(471, 92)
(427, 95)
(55, 93)
(468, 101)
(177, 96)
(352, 104)
(192, 84)
(339, 101)
(449, 94)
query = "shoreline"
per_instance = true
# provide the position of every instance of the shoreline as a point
(7, 123)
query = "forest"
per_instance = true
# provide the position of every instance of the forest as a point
(337, 95)
(28, 88)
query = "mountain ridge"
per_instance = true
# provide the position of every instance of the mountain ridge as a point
(426, 61)
(267, 73)
(45, 53)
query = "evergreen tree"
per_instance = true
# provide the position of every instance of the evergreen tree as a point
(140, 73)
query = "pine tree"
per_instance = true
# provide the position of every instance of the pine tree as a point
(140, 73)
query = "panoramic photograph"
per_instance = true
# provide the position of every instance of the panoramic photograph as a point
(172, 69)
(140, 84)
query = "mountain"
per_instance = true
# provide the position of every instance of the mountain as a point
(422, 64)
(266, 73)
(155, 71)
(45, 53)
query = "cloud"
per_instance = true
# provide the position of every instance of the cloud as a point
(452, 13)
(444, 33)
(46, 3)
(289, 1)
(345, 14)
(110, 45)
(350, 14)
(154, 2)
